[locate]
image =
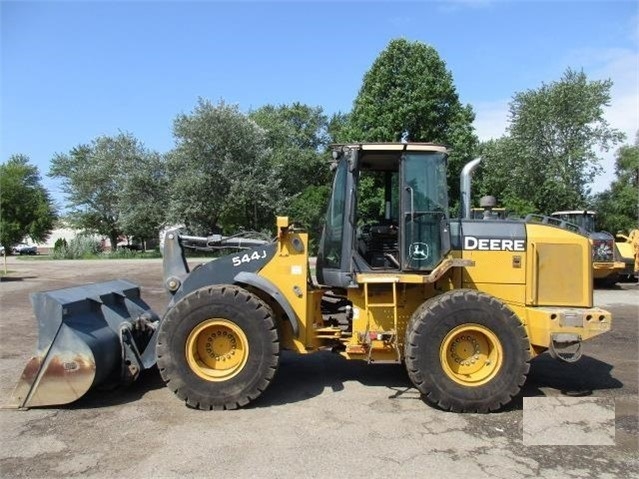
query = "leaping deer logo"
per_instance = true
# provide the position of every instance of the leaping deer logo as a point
(418, 251)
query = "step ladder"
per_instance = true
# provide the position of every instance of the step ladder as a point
(368, 305)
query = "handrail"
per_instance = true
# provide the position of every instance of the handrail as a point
(556, 222)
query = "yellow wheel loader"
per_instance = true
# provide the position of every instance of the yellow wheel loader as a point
(465, 304)
(607, 264)
(626, 246)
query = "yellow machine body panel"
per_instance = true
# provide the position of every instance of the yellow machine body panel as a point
(536, 276)
(553, 252)
(499, 273)
(605, 269)
(381, 311)
(625, 247)
(288, 270)
(533, 283)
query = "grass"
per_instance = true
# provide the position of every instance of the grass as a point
(129, 254)
(119, 254)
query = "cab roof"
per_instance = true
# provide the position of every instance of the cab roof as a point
(411, 146)
(574, 212)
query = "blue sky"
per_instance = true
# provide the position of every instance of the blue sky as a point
(71, 71)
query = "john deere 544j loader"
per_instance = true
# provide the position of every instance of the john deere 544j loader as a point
(464, 303)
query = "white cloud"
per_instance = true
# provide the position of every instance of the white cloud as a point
(622, 67)
(619, 65)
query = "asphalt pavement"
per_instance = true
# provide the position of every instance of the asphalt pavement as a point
(323, 416)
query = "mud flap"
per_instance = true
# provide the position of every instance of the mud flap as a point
(87, 336)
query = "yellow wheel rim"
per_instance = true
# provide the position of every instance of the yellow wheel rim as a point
(217, 350)
(471, 354)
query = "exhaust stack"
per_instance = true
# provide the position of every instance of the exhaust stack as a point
(465, 186)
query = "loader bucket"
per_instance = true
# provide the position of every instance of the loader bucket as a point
(88, 336)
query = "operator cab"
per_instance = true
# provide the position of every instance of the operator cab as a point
(583, 218)
(388, 211)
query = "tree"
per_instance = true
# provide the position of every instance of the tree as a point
(338, 127)
(497, 176)
(550, 152)
(618, 206)
(297, 138)
(94, 177)
(219, 172)
(409, 95)
(26, 208)
(309, 209)
(143, 197)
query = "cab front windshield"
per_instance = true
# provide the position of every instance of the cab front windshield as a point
(585, 220)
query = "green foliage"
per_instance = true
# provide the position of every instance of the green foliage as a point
(309, 209)
(143, 197)
(60, 245)
(409, 94)
(230, 171)
(111, 185)
(498, 175)
(338, 127)
(219, 173)
(88, 247)
(297, 137)
(371, 197)
(550, 153)
(618, 206)
(26, 208)
(80, 247)
(125, 253)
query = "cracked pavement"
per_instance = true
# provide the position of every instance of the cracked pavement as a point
(323, 416)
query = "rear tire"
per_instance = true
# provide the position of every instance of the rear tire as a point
(218, 348)
(467, 352)
(607, 282)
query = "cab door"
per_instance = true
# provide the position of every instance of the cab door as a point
(334, 264)
(424, 227)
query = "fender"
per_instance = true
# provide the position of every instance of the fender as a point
(220, 271)
(273, 291)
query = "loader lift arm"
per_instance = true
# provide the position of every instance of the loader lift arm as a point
(175, 265)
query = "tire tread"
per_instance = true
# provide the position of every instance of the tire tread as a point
(224, 294)
(417, 334)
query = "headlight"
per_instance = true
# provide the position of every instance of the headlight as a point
(602, 250)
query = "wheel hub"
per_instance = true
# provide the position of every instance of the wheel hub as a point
(471, 354)
(217, 349)
(465, 350)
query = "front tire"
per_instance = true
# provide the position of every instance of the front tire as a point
(467, 352)
(218, 348)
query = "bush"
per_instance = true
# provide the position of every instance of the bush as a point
(87, 247)
(60, 249)
(80, 247)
